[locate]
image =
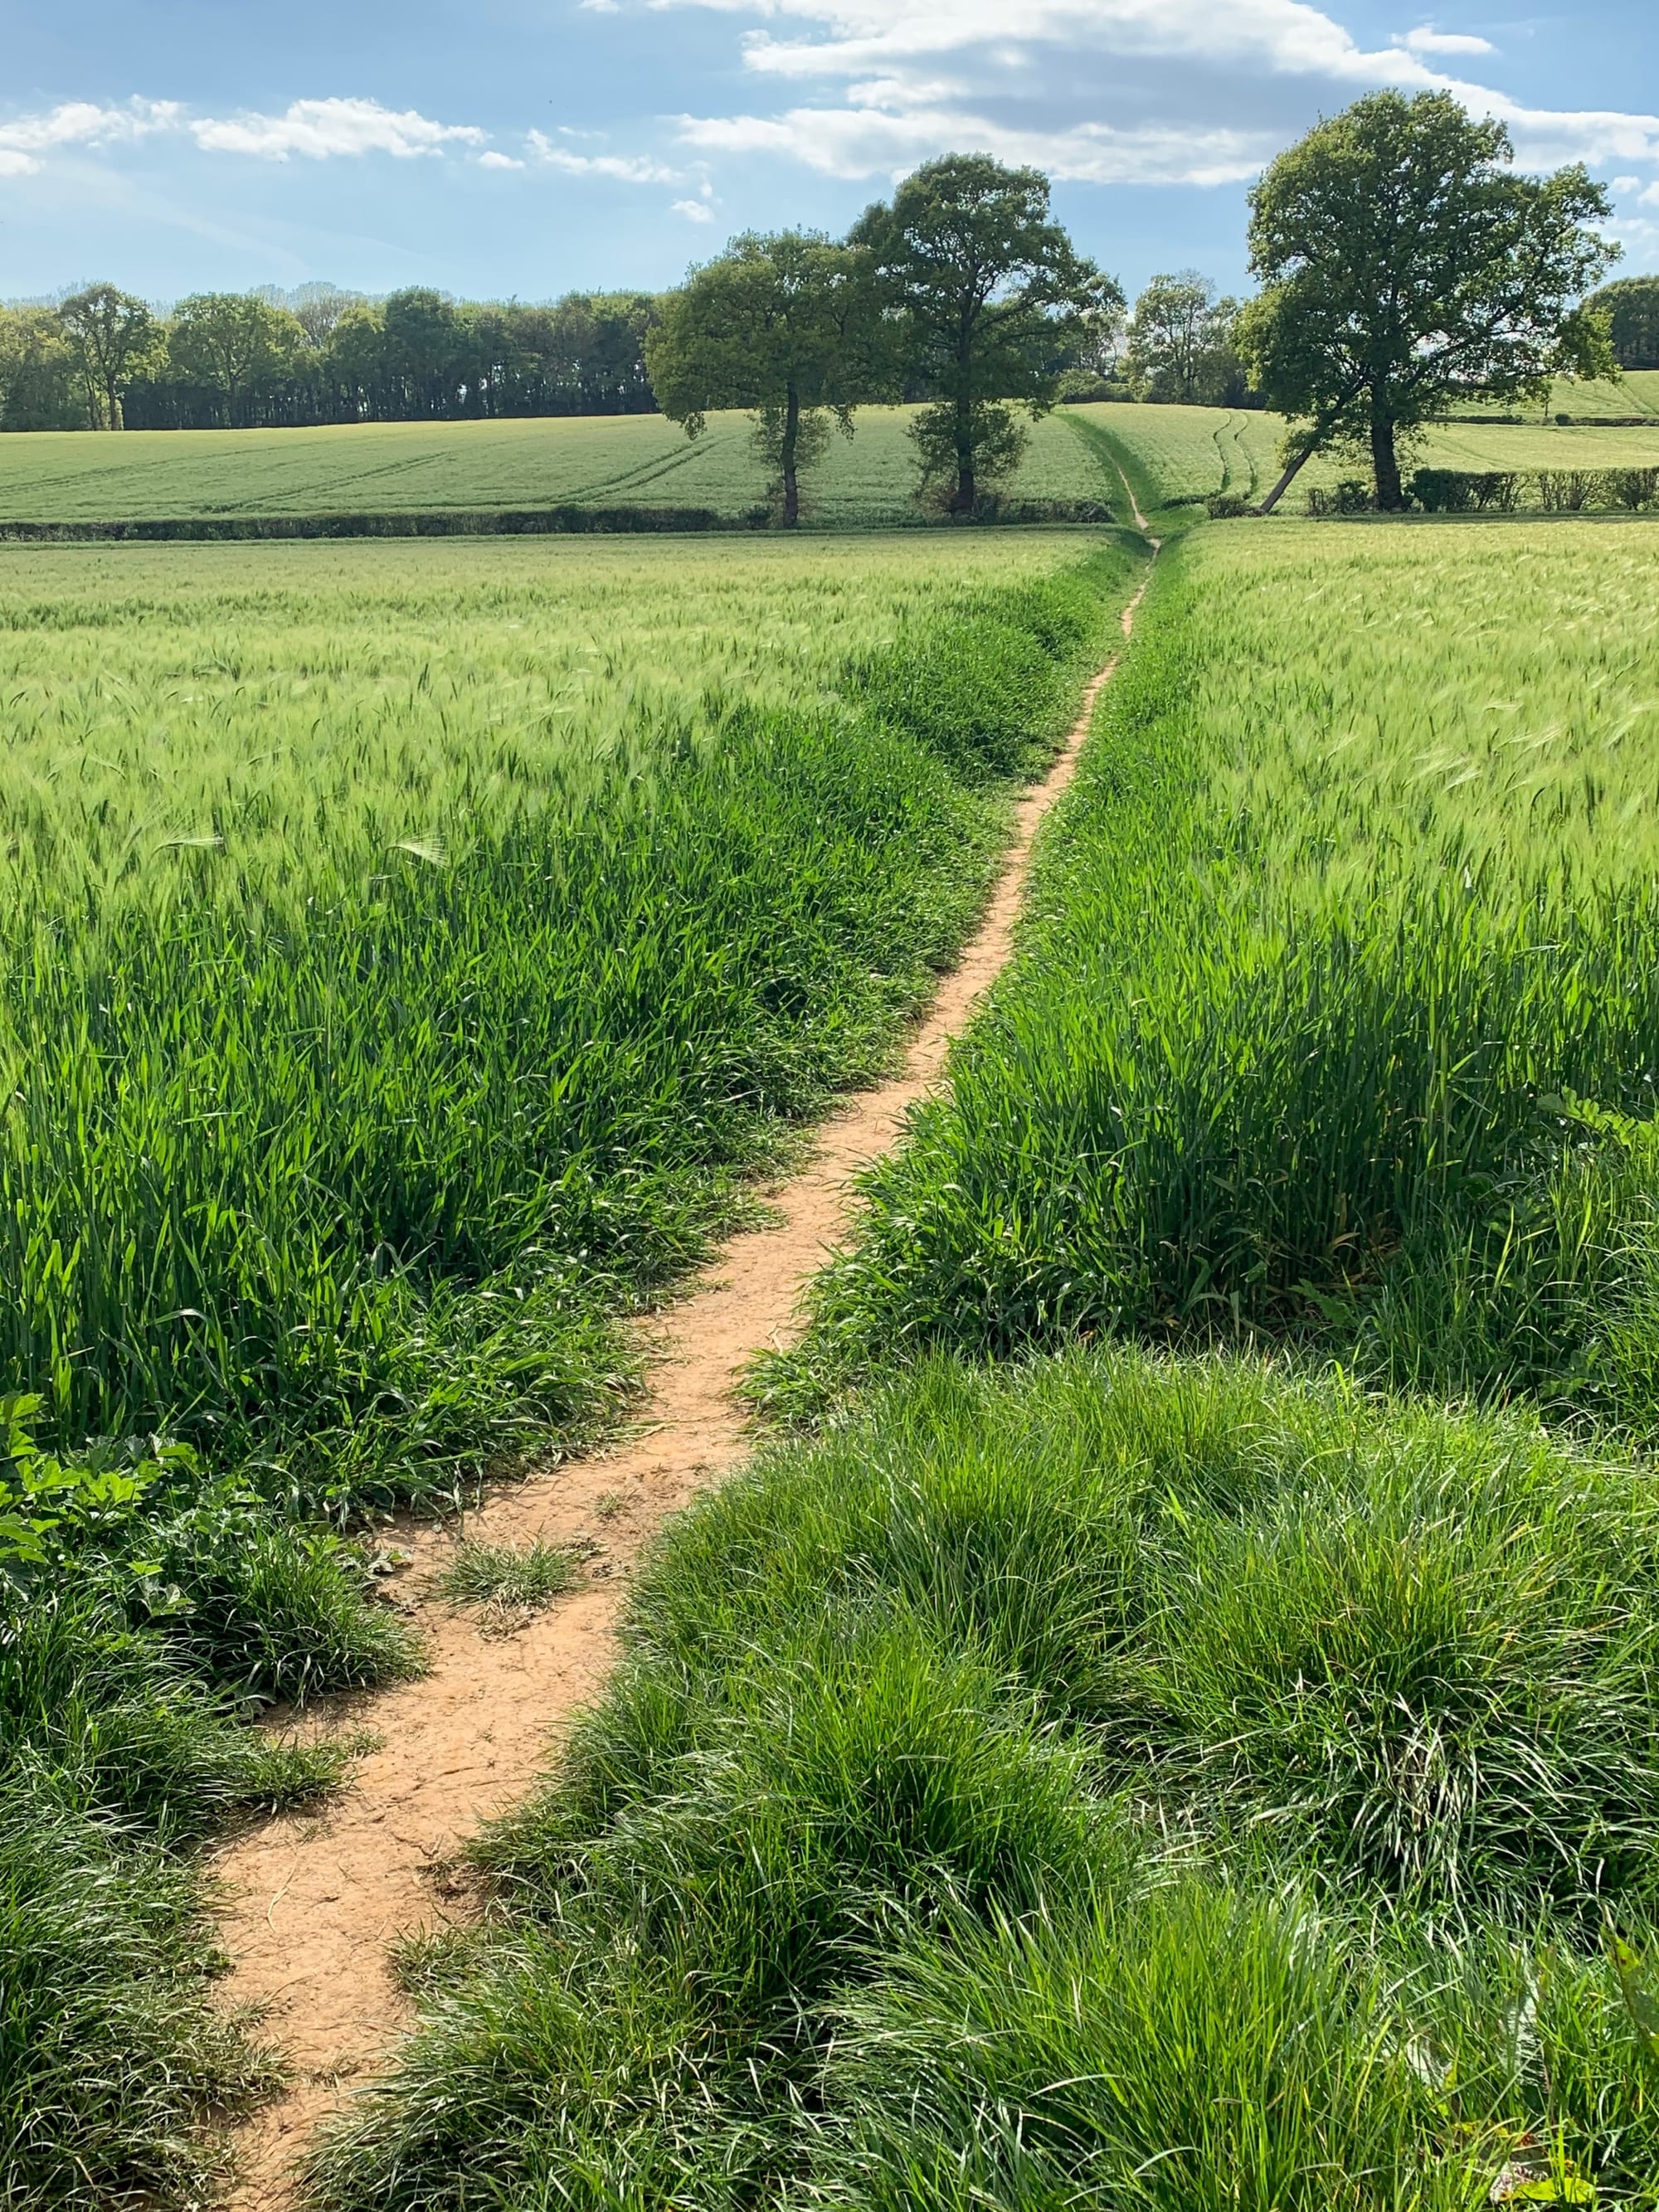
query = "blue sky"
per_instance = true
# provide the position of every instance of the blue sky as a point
(527, 146)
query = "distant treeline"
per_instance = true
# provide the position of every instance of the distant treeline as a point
(102, 359)
(1631, 307)
(99, 359)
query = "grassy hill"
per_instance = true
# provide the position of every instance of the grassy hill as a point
(397, 468)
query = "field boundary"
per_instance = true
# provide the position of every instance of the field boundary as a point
(522, 522)
(312, 1902)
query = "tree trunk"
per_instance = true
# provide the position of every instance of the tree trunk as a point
(963, 499)
(791, 435)
(1385, 464)
(1284, 483)
(114, 406)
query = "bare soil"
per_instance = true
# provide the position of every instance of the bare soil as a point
(312, 1900)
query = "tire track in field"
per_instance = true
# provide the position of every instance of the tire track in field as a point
(312, 1900)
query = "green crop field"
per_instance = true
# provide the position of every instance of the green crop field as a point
(408, 952)
(1168, 1769)
(1186, 452)
(390, 468)
(1168, 1719)
(1344, 988)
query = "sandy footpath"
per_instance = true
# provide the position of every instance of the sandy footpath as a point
(311, 1900)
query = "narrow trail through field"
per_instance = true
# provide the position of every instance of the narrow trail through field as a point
(312, 1901)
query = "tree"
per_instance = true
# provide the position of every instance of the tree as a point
(231, 342)
(785, 325)
(113, 339)
(1631, 310)
(38, 379)
(990, 303)
(425, 346)
(1180, 343)
(1405, 265)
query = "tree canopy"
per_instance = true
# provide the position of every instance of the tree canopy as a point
(228, 343)
(1180, 343)
(113, 339)
(988, 301)
(1405, 265)
(783, 325)
(1631, 310)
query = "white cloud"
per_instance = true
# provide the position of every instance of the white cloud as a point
(864, 141)
(1425, 42)
(493, 160)
(1109, 91)
(79, 122)
(319, 129)
(693, 210)
(1279, 35)
(621, 168)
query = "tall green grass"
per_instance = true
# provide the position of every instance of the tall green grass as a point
(1119, 1780)
(342, 1123)
(1337, 1013)
(348, 1097)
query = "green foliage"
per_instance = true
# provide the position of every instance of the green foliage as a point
(509, 1582)
(114, 2059)
(1405, 264)
(989, 303)
(1336, 918)
(229, 342)
(309, 1211)
(1180, 343)
(921, 1853)
(1632, 309)
(786, 324)
(112, 340)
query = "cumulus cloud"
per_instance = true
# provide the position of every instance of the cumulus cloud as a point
(319, 129)
(1105, 91)
(693, 210)
(79, 122)
(859, 35)
(493, 160)
(1425, 42)
(851, 143)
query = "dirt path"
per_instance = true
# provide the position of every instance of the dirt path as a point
(312, 1901)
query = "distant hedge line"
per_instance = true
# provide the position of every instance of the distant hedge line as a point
(1503, 491)
(529, 522)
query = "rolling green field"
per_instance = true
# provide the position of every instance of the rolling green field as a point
(409, 954)
(389, 468)
(1168, 1720)
(1164, 1768)
(1186, 452)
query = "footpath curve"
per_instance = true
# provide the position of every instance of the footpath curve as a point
(312, 1900)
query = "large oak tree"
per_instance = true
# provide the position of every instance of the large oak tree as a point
(989, 302)
(784, 324)
(1405, 264)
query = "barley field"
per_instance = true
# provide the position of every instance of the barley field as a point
(638, 461)
(1179, 1733)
